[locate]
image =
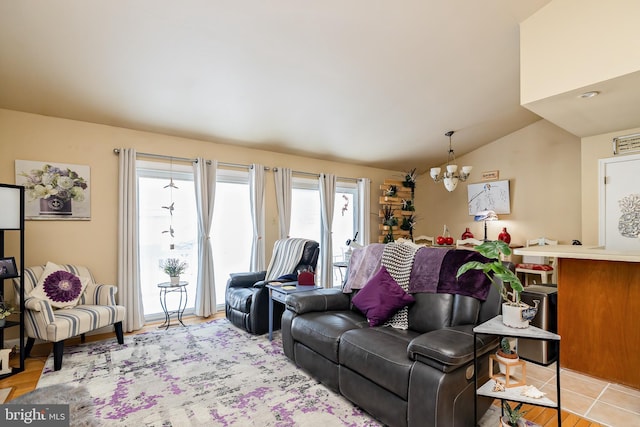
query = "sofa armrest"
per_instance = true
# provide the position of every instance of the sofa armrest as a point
(100, 295)
(317, 300)
(449, 348)
(42, 310)
(245, 280)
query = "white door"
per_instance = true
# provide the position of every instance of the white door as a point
(620, 203)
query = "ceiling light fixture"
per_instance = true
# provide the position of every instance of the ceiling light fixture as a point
(449, 177)
(590, 94)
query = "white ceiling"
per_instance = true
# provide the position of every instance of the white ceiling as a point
(375, 82)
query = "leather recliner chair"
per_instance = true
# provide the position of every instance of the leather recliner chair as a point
(247, 298)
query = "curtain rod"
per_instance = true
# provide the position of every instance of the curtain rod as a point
(185, 159)
(317, 175)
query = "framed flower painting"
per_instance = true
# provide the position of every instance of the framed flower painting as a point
(58, 191)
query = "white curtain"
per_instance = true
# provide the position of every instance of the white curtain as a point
(256, 189)
(204, 178)
(364, 207)
(129, 292)
(282, 177)
(327, 201)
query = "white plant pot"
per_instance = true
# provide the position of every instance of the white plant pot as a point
(503, 361)
(175, 280)
(512, 315)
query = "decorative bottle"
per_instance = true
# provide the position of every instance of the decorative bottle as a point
(467, 234)
(504, 235)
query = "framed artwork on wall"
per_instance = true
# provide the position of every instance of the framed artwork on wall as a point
(59, 191)
(492, 196)
(8, 268)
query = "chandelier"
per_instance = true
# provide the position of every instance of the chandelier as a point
(450, 177)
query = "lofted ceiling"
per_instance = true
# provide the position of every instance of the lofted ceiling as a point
(372, 82)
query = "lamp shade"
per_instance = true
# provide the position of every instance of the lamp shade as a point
(10, 207)
(485, 216)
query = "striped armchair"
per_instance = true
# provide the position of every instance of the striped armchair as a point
(96, 309)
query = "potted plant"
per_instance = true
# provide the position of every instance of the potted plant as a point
(513, 416)
(174, 268)
(515, 313)
(5, 311)
(505, 354)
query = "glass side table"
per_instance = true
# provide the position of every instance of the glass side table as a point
(169, 288)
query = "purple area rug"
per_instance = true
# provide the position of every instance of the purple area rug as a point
(206, 374)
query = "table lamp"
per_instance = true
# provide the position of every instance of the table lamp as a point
(485, 216)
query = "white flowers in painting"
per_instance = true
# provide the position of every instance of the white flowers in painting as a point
(53, 181)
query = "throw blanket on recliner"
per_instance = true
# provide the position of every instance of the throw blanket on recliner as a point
(286, 256)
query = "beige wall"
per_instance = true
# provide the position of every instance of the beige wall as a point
(542, 164)
(569, 44)
(94, 243)
(595, 148)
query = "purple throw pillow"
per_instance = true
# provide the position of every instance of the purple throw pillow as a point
(381, 298)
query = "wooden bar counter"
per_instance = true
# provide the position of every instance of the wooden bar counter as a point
(598, 310)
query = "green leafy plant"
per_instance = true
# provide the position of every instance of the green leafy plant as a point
(495, 268)
(410, 178)
(391, 191)
(408, 223)
(505, 346)
(389, 219)
(512, 414)
(173, 266)
(6, 309)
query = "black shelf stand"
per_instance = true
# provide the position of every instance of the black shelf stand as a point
(9, 192)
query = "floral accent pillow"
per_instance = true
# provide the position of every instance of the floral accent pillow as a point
(61, 288)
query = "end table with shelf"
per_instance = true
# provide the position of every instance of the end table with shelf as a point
(514, 394)
(278, 292)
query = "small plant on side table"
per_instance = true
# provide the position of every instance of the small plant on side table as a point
(174, 268)
(505, 354)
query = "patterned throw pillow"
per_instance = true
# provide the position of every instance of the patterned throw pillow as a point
(61, 288)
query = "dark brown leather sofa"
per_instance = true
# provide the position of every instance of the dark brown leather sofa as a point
(418, 377)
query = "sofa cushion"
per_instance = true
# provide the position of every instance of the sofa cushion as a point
(381, 298)
(379, 354)
(321, 331)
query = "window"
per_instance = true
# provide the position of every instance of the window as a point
(230, 232)
(232, 229)
(306, 221)
(155, 238)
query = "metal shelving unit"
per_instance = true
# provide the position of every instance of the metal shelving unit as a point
(496, 327)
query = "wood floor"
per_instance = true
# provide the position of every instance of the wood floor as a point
(26, 381)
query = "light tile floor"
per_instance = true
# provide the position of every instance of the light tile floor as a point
(597, 400)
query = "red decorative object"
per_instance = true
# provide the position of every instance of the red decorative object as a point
(504, 235)
(467, 234)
